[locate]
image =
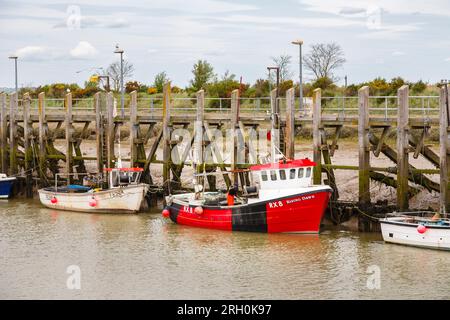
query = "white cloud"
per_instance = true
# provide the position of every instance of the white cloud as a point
(448, 59)
(398, 53)
(33, 53)
(84, 50)
(400, 7)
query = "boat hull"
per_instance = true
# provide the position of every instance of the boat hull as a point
(6, 185)
(435, 237)
(299, 213)
(117, 200)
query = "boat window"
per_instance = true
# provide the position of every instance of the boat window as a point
(308, 172)
(282, 175)
(263, 175)
(300, 172)
(292, 174)
(273, 175)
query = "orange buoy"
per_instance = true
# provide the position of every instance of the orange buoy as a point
(166, 213)
(93, 202)
(198, 210)
(421, 229)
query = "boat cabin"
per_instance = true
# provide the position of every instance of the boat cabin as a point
(118, 177)
(287, 174)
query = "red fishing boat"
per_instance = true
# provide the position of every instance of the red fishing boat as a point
(282, 200)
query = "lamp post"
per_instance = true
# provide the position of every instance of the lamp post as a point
(122, 94)
(15, 69)
(299, 42)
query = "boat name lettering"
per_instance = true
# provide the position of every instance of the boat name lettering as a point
(117, 194)
(309, 197)
(188, 209)
(275, 204)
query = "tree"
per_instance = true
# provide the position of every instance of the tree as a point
(283, 62)
(160, 79)
(203, 74)
(113, 72)
(323, 59)
(131, 86)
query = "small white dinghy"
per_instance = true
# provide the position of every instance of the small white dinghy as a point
(415, 229)
(123, 195)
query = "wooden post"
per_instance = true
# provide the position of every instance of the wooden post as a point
(42, 137)
(198, 138)
(69, 138)
(275, 126)
(110, 129)
(3, 133)
(364, 146)
(290, 128)
(317, 141)
(402, 148)
(99, 130)
(13, 106)
(134, 127)
(444, 151)
(234, 129)
(27, 130)
(166, 139)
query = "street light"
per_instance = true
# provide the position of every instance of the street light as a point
(15, 67)
(299, 42)
(278, 76)
(122, 97)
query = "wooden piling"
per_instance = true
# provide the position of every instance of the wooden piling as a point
(69, 138)
(235, 133)
(290, 128)
(3, 133)
(403, 148)
(444, 142)
(275, 124)
(317, 141)
(134, 128)
(13, 106)
(198, 134)
(99, 131)
(42, 137)
(364, 146)
(166, 139)
(27, 132)
(110, 129)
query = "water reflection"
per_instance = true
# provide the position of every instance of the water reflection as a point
(146, 256)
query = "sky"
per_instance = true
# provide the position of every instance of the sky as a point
(59, 41)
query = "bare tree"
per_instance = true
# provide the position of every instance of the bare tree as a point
(324, 59)
(283, 62)
(113, 72)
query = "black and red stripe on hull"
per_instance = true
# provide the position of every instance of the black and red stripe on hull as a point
(297, 213)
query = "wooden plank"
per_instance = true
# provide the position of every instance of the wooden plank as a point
(364, 146)
(69, 138)
(402, 148)
(110, 130)
(198, 137)
(317, 126)
(134, 127)
(275, 125)
(3, 133)
(290, 128)
(43, 130)
(13, 106)
(235, 132)
(166, 139)
(99, 130)
(444, 150)
(27, 132)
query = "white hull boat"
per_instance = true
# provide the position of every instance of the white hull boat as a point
(417, 231)
(124, 194)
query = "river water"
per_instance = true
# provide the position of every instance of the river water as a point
(147, 257)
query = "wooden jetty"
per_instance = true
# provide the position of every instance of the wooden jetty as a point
(29, 129)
